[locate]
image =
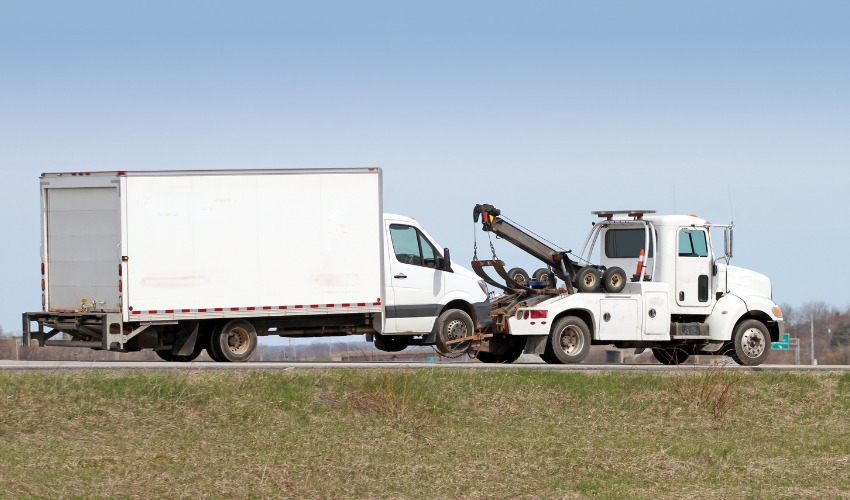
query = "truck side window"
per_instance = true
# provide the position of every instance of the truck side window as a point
(692, 243)
(626, 243)
(411, 247)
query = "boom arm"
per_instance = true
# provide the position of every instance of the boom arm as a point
(560, 262)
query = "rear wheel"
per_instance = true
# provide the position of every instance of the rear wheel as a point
(751, 343)
(391, 344)
(235, 341)
(670, 355)
(569, 341)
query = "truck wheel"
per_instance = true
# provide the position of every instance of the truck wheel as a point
(670, 355)
(588, 279)
(614, 279)
(549, 357)
(751, 344)
(453, 324)
(235, 341)
(391, 344)
(519, 275)
(545, 276)
(570, 340)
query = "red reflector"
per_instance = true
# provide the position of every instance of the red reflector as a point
(169, 311)
(538, 314)
(120, 270)
(525, 315)
(187, 310)
(314, 306)
(266, 308)
(120, 286)
(218, 309)
(252, 308)
(299, 307)
(42, 268)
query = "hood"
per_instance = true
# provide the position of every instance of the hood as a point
(743, 282)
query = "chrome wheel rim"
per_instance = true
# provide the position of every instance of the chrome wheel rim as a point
(753, 342)
(572, 340)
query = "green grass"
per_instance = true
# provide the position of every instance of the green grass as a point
(424, 433)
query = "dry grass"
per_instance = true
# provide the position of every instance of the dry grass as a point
(437, 433)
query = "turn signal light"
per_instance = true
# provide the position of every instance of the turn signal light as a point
(777, 312)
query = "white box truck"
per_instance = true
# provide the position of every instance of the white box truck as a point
(182, 261)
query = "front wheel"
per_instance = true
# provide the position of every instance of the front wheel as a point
(569, 341)
(670, 355)
(391, 344)
(452, 326)
(751, 343)
(235, 341)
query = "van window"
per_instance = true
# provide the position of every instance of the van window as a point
(692, 243)
(411, 247)
(626, 243)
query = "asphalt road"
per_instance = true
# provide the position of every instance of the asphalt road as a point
(208, 365)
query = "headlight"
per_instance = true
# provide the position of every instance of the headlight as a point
(483, 285)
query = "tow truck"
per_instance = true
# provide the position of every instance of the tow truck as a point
(682, 300)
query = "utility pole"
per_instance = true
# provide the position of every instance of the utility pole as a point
(812, 325)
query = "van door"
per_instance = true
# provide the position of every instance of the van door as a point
(693, 268)
(416, 284)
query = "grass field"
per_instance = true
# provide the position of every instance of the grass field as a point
(424, 433)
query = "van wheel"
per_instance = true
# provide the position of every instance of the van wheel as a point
(588, 279)
(549, 357)
(670, 355)
(751, 344)
(235, 341)
(391, 344)
(452, 325)
(614, 279)
(570, 340)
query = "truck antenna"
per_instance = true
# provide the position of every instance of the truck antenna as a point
(731, 211)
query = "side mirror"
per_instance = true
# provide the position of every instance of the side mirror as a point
(446, 261)
(727, 243)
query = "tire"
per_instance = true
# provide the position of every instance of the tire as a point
(519, 275)
(235, 341)
(511, 353)
(569, 341)
(751, 343)
(212, 349)
(453, 324)
(670, 355)
(550, 358)
(588, 279)
(614, 280)
(391, 344)
(545, 276)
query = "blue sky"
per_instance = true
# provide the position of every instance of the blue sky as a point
(546, 109)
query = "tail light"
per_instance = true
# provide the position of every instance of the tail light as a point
(538, 314)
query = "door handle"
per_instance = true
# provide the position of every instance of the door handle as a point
(681, 296)
(400, 276)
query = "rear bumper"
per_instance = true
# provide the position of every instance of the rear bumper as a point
(92, 330)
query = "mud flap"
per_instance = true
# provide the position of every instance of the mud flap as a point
(187, 337)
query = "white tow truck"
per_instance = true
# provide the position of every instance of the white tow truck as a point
(681, 300)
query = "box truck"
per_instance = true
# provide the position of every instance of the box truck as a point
(182, 261)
